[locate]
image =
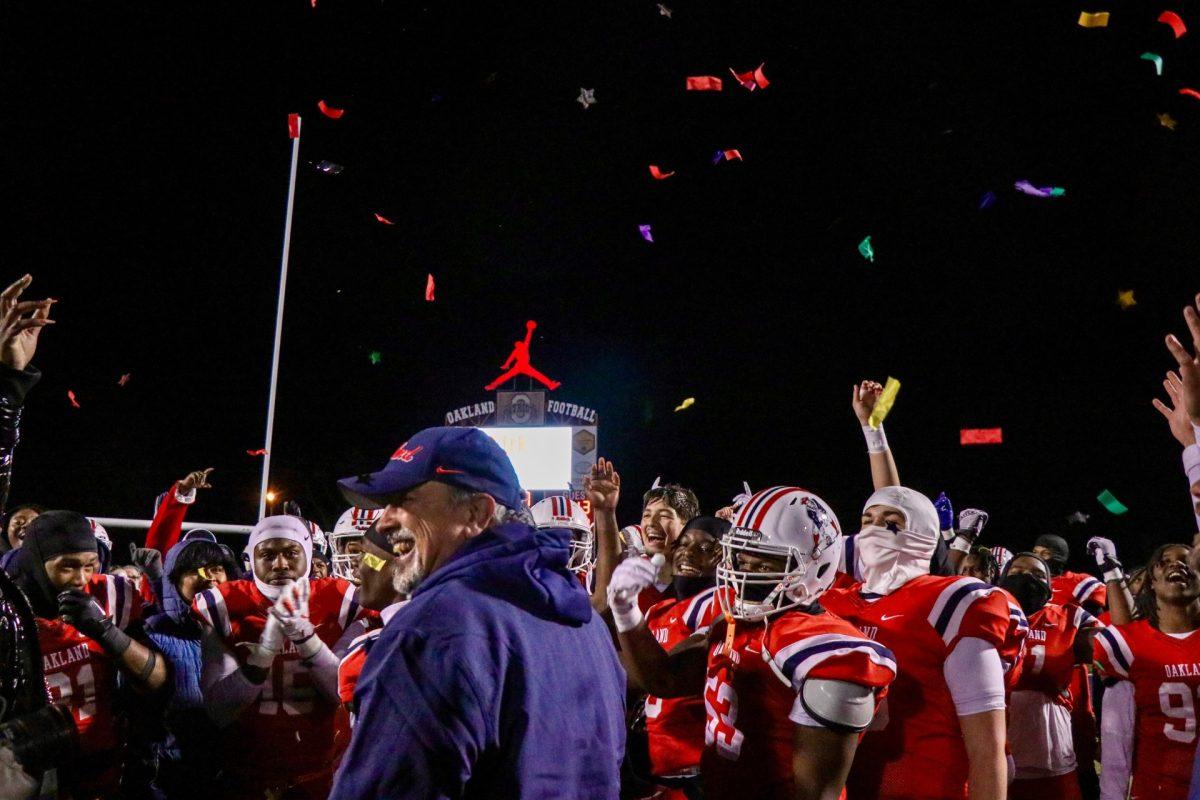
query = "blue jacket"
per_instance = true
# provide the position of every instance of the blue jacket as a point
(497, 680)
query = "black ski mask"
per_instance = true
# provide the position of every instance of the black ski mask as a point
(51, 534)
(1031, 591)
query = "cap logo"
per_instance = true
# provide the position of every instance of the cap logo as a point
(404, 454)
(443, 471)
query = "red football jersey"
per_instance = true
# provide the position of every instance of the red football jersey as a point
(915, 747)
(1165, 672)
(1077, 588)
(81, 676)
(288, 713)
(1048, 661)
(675, 725)
(751, 690)
(353, 654)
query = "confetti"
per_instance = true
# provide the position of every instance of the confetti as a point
(71, 397)
(330, 111)
(658, 174)
(293, 126)
(968, 436)
(1079, 518)
(865, 249)
(1167, 121)
(261, 452)
(1111, 503)
(646, 234)
(732, 155)
(1190, 92)
(687, 403)
(987, 200)
(429, 287)
(384, 220)
(1098, 19)
(1156, 58)
(587, 97)
(1125, 299)
(663, 11)
(754, 79)
(375, 357)
(124, 379)
(1174, 20)
(703, 83)
(1046, 191)
(329, 168)
(884, 404)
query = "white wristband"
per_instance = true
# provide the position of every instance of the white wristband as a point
(876, 439)
(1191, 463)
(1116, 575)
(627, 620)
(961, 544)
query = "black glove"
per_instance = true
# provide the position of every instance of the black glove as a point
(149, 559)
(80, 611)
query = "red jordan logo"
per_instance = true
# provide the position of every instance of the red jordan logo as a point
(518, 360)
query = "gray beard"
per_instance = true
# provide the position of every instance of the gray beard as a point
(406, 582)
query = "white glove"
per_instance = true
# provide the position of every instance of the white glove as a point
(15, 782)
(971, 522)
(291, 610)
(628, 580)
(1105, 553)
(269, 645)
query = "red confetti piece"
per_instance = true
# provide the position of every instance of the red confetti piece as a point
(754, 79)
(71, 397)
(429, 287)
(1191, 92)
(384, 219)
(330, 111)
(256, 452)
(703, 83)
(658, 174)
(968, 436)
(124, 379)
(732, 155)
(293, 126)
(1174, 20)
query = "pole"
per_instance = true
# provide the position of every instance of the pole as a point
(283, 268)
(144, 524)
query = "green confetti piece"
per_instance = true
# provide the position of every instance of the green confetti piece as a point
(375, 356)
(1057, 191)
(868, 252)
(1110, 502)
(1156, 58)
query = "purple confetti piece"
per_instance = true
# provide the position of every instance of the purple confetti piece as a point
(329, 168)
(645, 231)
(717, 158)
(1029, 189)
(987, 200)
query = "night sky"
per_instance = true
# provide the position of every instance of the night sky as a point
(145, 158)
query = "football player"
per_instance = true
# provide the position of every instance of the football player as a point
(270, 677)
(787, 687)
(675, 725)
(81, 619)
(1159, 656)
(558, 511)
(346, 541)
(954, 640)
(1039, 721)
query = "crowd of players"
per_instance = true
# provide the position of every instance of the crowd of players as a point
(768, 653)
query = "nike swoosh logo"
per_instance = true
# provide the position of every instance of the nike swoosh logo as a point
(886, 617)
(444, 471)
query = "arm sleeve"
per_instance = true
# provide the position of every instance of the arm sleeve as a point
(14, 384)
(422, 691)
(324, 670)
(975, 676)
(167, 526)
(1116, 741)
(1191, 466)
(227, 691)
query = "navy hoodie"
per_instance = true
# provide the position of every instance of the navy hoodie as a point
(497, 680)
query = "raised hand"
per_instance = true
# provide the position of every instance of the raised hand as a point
(862, 400)
(603, 486)
(1189, 363)
(195, 480)
(1176, 413)
(21, 323)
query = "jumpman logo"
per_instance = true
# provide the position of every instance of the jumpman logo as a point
(518, 360)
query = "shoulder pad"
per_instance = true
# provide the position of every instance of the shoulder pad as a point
(839, 705)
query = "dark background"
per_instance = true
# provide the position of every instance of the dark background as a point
(145, 159)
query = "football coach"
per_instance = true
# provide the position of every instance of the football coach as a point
(496, 680)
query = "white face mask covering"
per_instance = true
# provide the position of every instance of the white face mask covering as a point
(892, 558)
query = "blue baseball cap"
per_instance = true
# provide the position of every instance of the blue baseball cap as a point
(464, 457)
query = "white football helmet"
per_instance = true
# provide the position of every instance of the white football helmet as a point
(100, 532)
(632, 539)
(1002, 555)
(350, 527)
(558, 511)
(787, 523)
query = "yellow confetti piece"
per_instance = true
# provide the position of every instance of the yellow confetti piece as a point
(884, 404)
(1167, 121)
(687, 403)
(1125, 299)
(1096, 20)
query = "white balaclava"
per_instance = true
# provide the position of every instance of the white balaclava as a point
(892, 558)
(282, 526)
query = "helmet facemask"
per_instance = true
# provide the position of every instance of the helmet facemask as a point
(344, 563)
(754, 595)
(583, 551)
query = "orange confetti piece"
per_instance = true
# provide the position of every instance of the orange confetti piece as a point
(124, 379)
(429, 288)
(1191, 92)
(384, 219)
(330, 111)
(1175, 21)
(658, 174)
(754, 79)
(704, 83)
(256, 452)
